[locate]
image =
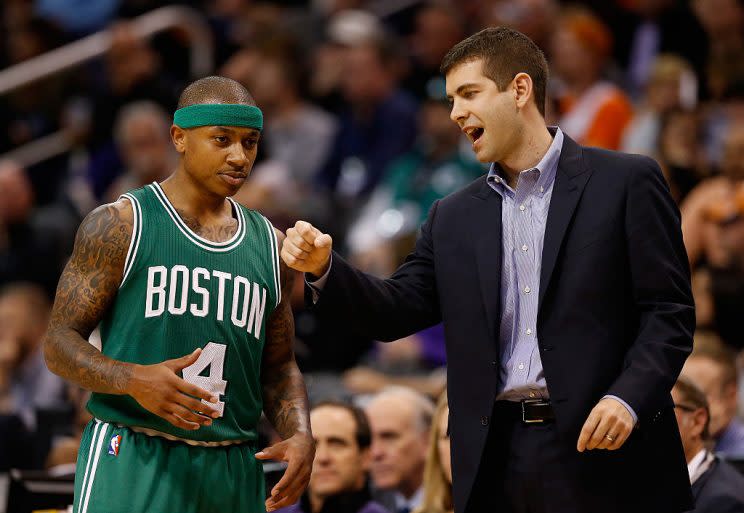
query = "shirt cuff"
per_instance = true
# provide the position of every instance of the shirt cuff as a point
(627, 407)
(316, 286)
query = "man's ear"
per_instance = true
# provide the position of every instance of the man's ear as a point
(178, 136)
(523, 89)
(699, 417)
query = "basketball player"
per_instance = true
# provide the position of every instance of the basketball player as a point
(196, 328)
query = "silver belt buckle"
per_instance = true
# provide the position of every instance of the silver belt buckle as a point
(531, 421)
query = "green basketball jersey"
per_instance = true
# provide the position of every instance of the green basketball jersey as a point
(180, 291)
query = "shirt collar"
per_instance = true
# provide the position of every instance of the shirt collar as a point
(699, 464)
(546, 167)
(412, 503)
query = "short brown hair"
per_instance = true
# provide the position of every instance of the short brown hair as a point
(505, 52)
(363, 433)
(693, 396)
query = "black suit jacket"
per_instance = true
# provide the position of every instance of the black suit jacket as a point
(719, 490)
(615, 316)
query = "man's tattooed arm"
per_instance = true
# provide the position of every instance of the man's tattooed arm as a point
(86, 290)
(284, 395)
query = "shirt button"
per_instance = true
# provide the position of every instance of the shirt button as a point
(529, 331)
(541, 189)
(524, 247)
(527, 290)
(521, 366)
(484, 421)
(522, 208)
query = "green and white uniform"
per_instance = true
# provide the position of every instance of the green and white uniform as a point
(179, 292)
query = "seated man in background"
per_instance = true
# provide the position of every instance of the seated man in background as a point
(142, 135)
(713, 368)
(717, 486)
(25, 382)
(400, 419)
(338, 482)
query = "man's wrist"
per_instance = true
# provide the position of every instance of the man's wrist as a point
(131, 371)
(317, 274)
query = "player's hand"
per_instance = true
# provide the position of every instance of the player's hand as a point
(298, 452)
(307, 249)
(159, 389)
(608, 426)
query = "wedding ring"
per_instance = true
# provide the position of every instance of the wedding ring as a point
(610, 438)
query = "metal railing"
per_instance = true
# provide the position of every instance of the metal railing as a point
(95, 45)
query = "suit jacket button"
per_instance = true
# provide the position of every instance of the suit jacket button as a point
(484, 421)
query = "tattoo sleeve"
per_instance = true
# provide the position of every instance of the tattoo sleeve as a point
(284, 395)
(86, 289)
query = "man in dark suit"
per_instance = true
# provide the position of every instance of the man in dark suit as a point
(564, 288)
(717, 486)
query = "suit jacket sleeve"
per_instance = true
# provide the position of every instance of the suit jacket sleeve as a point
(661, 287)
(387, 309)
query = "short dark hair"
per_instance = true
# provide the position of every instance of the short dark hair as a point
(215, 89)
(363, 432)
(692, 395)
(505, 52)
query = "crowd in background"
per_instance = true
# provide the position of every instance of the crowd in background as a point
(358, 141)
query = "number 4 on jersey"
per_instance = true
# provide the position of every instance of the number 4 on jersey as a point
(212, 355)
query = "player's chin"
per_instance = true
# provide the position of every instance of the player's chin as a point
(230, 185)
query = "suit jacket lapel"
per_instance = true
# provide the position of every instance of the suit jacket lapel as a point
(488, 253)
(570, 179)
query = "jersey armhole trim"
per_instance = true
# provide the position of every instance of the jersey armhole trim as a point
(136, 236)
(274, 260)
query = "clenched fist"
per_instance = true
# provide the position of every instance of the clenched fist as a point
(307, 249)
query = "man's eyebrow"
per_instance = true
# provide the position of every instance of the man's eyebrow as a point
(465, 86)
(462, 88)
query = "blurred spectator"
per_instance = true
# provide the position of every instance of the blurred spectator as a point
(700, 210)
(63, 454)
(378, 126)
(31, 111)
(383, 233)
(345, 28)
(592, 110)
(296, 138)
(534, 18)
(723, 21)
(24, 313)
(142, 136)
(713, 368)
(679, 151)
(133, 72)
(34, 244)
(79, 17)
(437, 28)
(671, 85)
(649, 28)
(338, 482)
(716, 485)
(400, 420)
(438, 470)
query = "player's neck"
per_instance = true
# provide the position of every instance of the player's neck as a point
(190, 197)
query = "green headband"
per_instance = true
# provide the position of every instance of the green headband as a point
(219, 114)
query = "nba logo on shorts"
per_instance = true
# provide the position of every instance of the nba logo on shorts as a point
(114, 445)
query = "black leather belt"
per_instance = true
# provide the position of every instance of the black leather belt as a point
(537, 411)
(528, 411)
